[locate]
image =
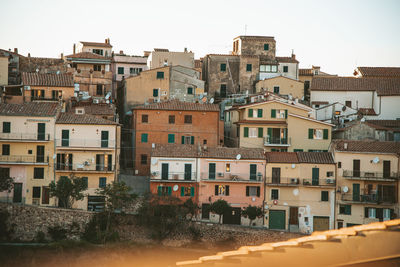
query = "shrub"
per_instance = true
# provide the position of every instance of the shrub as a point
(57, 232)
(40, 237)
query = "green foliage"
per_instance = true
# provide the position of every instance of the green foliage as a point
(6, 183)
(5, 230)
(96, 230)
(190, 208)
(252, 212)
(67, 190)
(116, 195)
(220, 207)
(40, 237)
(57, 232)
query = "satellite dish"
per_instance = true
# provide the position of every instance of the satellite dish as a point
(293, 166)
(175, 188)
(345, 189)
(343, 108)
(108, 95)
(211, 100)
(58, 72)
(238, 156)
(363, 120)
(37, 70)
(375, 160)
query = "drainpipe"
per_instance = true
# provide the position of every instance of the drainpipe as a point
(115, 154)
(264, 182)
(334, 202)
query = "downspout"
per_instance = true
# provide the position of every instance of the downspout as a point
(115, 154)
(264, 182)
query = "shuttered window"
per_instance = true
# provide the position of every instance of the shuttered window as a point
(260, 132)
(326, 134)
(273, 113)
(171, 138)
(246, 131)
(259, 113)
(6, 127)
(223, 67)
(144, 137)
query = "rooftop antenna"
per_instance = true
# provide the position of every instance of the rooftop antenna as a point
(245, 29)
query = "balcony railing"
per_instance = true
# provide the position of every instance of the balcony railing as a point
(276, 141)
(25, 136)
(363, 175)
(370, 198)
(85, 143)
(174, 176)
(231, 177)
(85, 167)
(294, 181)
(21, 159)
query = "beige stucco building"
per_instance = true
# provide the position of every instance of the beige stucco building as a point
(300, 191)
(27, 150)
(283, 86)
(367, 181)
(3, 69)
(87, 146)
(163, 57)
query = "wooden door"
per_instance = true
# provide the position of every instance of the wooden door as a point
(320, 223)
(294, 216)
(188, 171)
(164, 171)
(39, 153)
(356, 192)
(253, 172)
(41, 133)
(356, 168)
(276, 175)
(386, 169)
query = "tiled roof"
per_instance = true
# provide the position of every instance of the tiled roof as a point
(366, 146)
(255, 37)
(161, 50)
(319, 102)
(87, 55)
(300, 157)
(97, 109)
(309, 72)
(179, 105)
(286, 60)
(45, 79)
(383, 86)
(33, 109)
(386, 123)
(379, 71)
(96, 44)
(72, 118)
(367, 111)
(192, 151)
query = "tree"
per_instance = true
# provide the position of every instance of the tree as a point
(252, 212)
(67, 190)
(190, 208)
(6, 182)
(220, 207)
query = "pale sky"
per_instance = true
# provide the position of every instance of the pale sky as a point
(336, 35)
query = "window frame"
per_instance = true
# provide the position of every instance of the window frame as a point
(273, 197)
(145, 118)
(187, 120)
(160, 75)
(325, 196)
(38, 173)
(121, 70)
(171, 119)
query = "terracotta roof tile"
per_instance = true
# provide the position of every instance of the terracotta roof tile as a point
(309, 72)
(367, 111)
(255, 37)
(192, 151)
(281, 157)
(72, 118)
(383, 86)
(379, 71)
(366, 146)
(33, 109)
(45, 79)
(286, 60)
(319, 102)
(179, 105)
(161, 50)
(87, 55)
(96, 44)
(386, 123)
(316, 157)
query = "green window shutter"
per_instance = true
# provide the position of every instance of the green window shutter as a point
(192, 140)
(169, 191)
(183, 139)
(298, 150)
(248, 67)
(6, 127)
(223, 67)
(347, 210)
(155, 92)
(266, 47)
(326, 134)
(171, 138)
(259, 113)
(270, 132)
(246, 131)
(159, 190)
(250, 113)
(192, 191)
(160, 75)
(190, 90)
(286, 113)
(260, 132)
(273, 113)
(182, 191)
(144, 138)
(310, 133)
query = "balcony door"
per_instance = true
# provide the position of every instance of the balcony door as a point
(356, 192)
(315, 176)
(164, 171)
(17, 197)
(253, 172)
(188, 171)
(276, 175)
(41, 131)
(386, 169)
(40, 154)
(104, 138)
(356, 168)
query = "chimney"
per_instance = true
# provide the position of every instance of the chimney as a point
(121, 52)
(105, 41)
(29, 54)
(62, 55)
(74, 49)
(293, 56)
(185, 50)
(16, 50)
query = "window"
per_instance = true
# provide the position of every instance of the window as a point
(371, 213)
(205, 142)
(279, 113)
(276, 89)
(171, 119)
(266, 47)
(222, 90)
(102, 182)
(145, 118)
(98, 51)
(211, 171)
(274, 194)
(190, 90)
(248, 67)
(268, 68)
(188, 140)
(38, 173)
(187, 191)
(164, 190)
(253, 132)
(306, 85)
(97, 67)
(155, 92)
(252, 191)
(99, 89)
(144, 137)
(348, 104)
(318, 134)
(39, 153)
(285, 68)
(188, 119)
(339, 164)
(329, 174)
(85, 181)
(104, 138)
(55, 94)
(222, 190)
(120, 70)
(143, 159)
(6, 127)
(223, 67)
(131, 71)
(227, 167)
(324, 196)
(345, 209)
(5, 150)
(171, 138)
(36, 192)
(64, 137)
(160, 75)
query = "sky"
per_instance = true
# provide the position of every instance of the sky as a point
(336, 35)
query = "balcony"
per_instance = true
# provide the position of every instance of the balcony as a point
(276, 141)
(24, 160)
(371, 176)
(369, 198)
(232, 177)
(174, 176)
(84, 167)
(24, 137)
(85, 144)
(292, 181)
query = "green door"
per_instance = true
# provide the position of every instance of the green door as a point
(104, 138)
(253, 172)
(17, 197)
(188, 171)
(356, 192)
(211, 171)
(65, 138)
(164, 171)
(277, 219)
(41, 134)
(315, 176)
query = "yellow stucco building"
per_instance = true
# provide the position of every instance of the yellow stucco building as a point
(282, 85)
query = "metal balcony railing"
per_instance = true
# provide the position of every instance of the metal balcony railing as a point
(369, 198)
(85, 167)
(276, 141)
(24, 159)
(295, 181)
(25, 136)
(365, 175)
(231, 177)
(173, 176)
(86, 143)
(319, 182)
